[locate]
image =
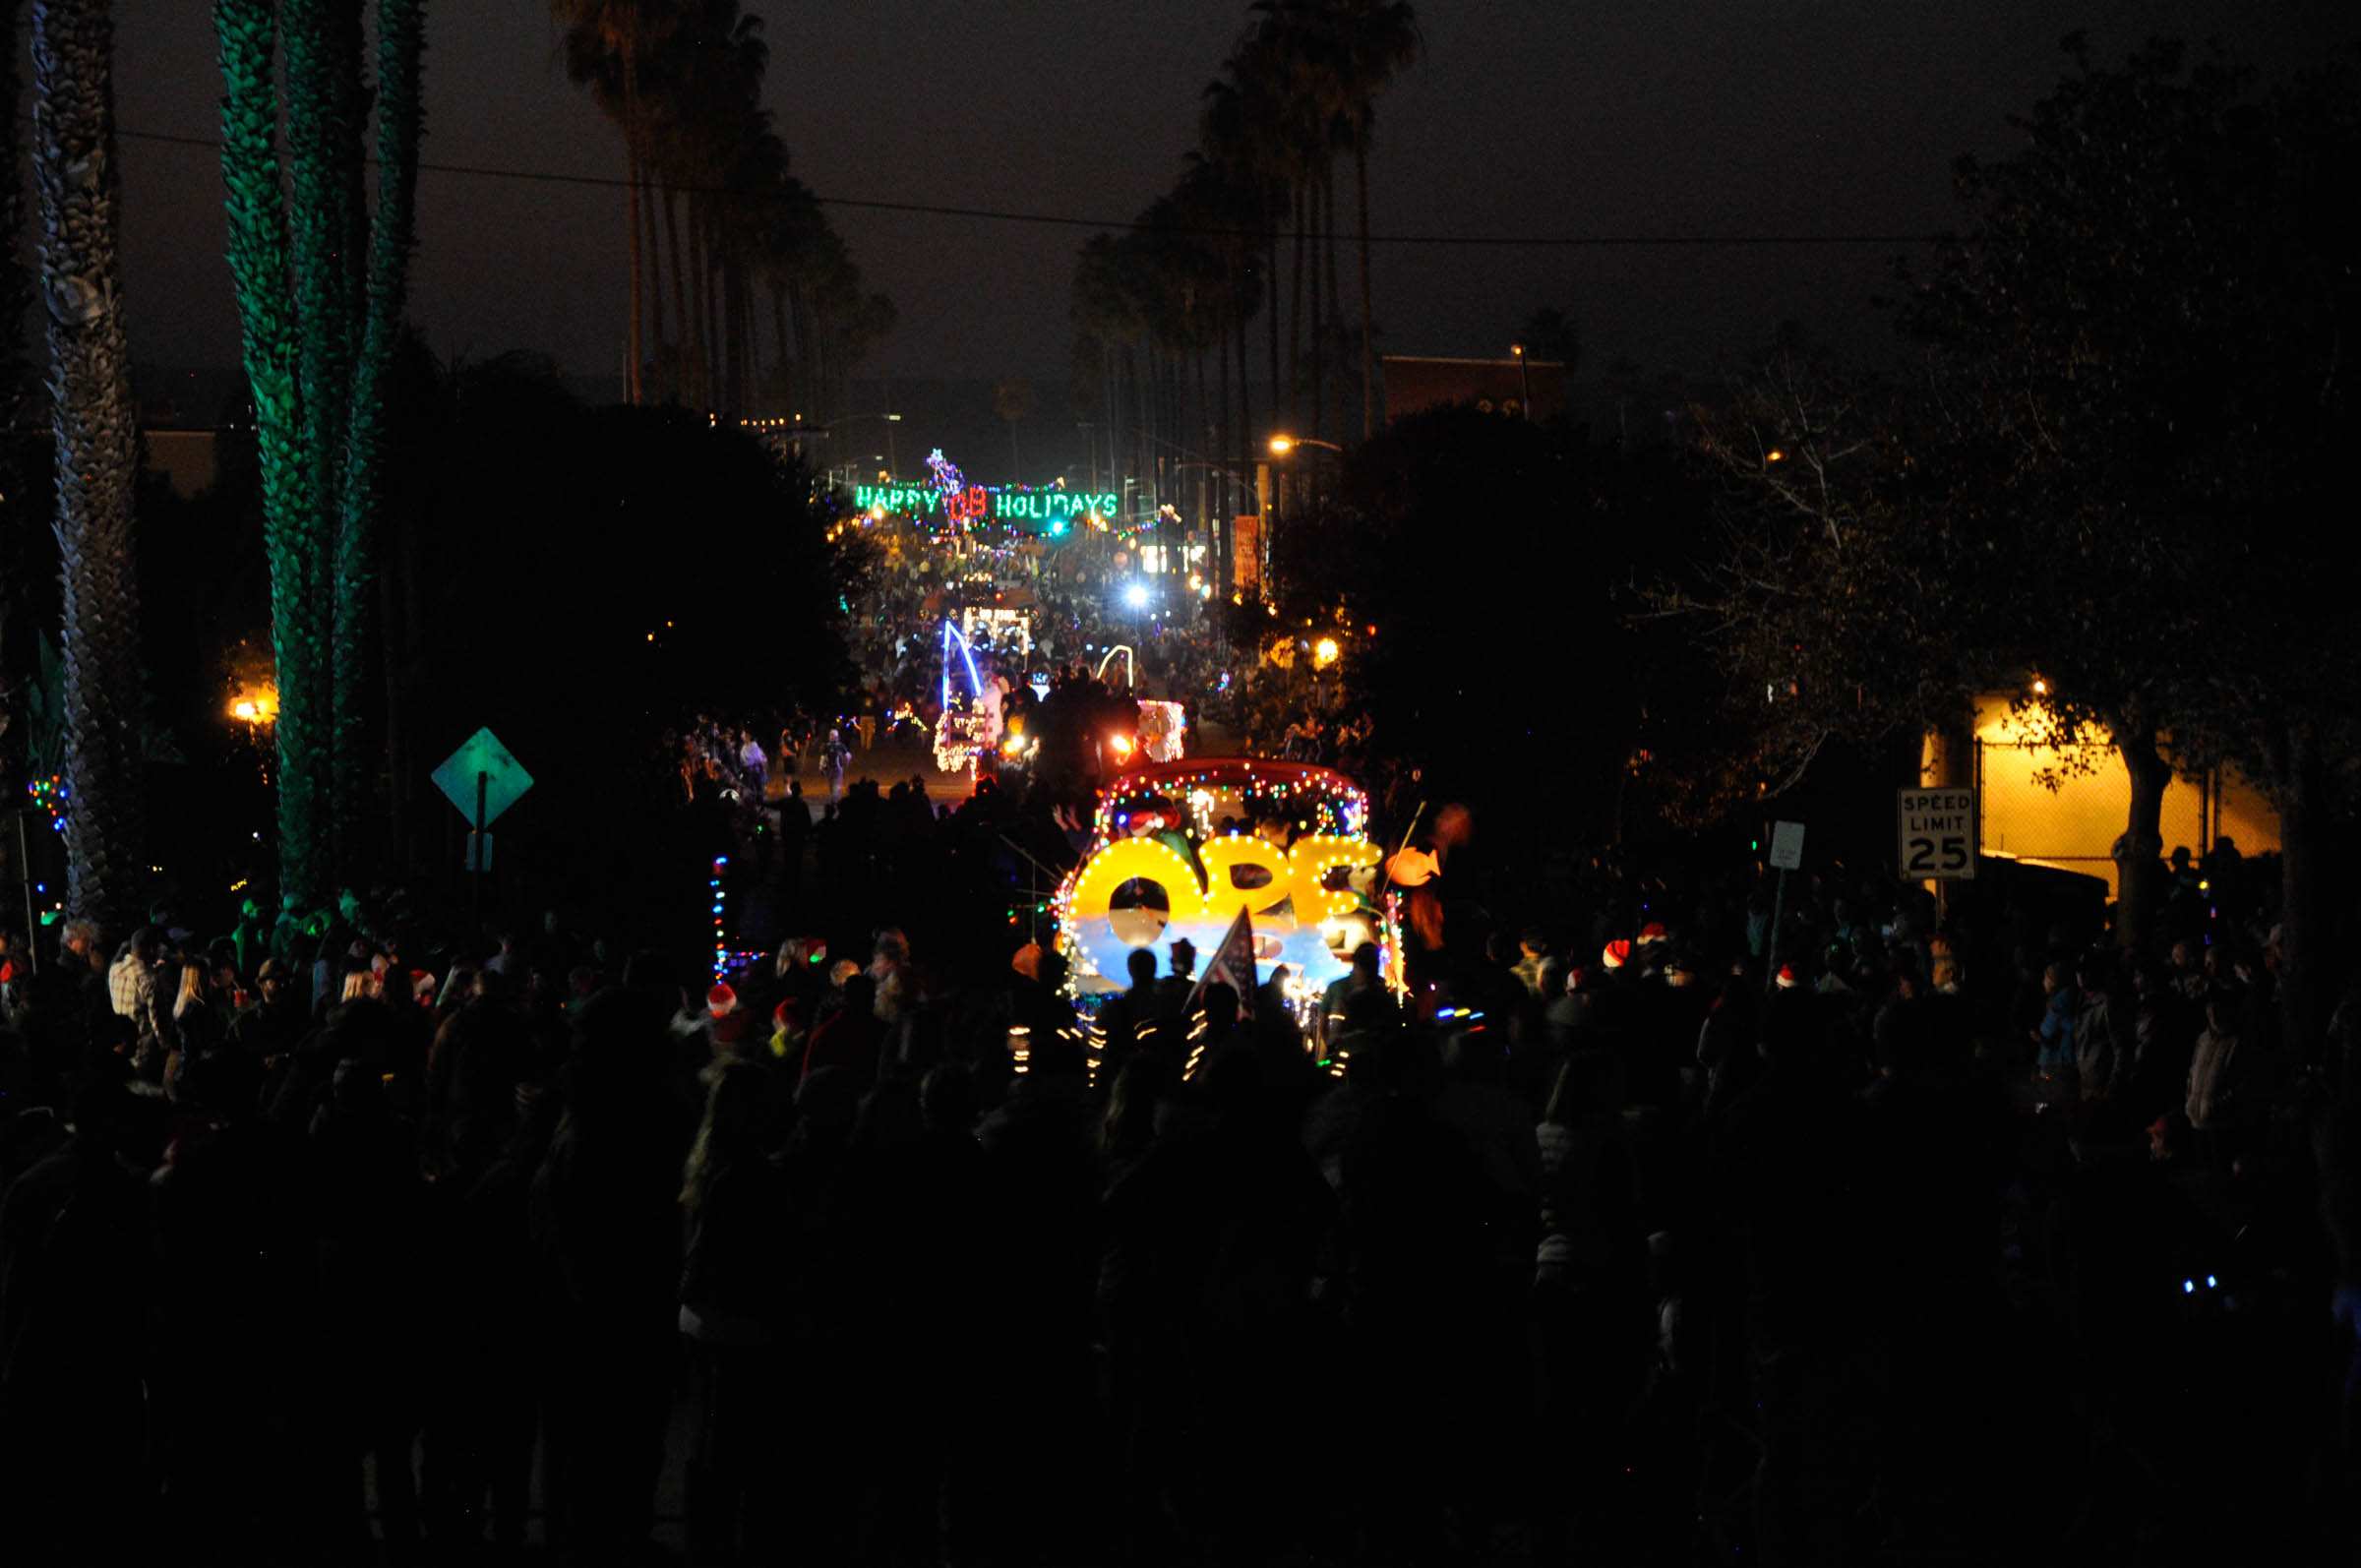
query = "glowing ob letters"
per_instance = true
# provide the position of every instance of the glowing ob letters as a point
(1225, 894)
(1145, 860)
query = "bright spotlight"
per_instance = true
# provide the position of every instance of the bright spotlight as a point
(1136, 596)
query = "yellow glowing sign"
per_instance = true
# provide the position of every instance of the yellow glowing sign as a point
(1312, 858)
(1144, 860)
(1226, 857)
(1299, 873)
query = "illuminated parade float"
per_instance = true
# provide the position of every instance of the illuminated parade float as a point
(1179, 848)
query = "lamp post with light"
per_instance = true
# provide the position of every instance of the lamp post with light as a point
(1516, 351)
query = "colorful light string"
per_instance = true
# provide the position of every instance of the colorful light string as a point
(721, 943)
(50, 794)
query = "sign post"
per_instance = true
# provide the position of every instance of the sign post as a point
(1787, 854)
(1937, 832)
(476, 852)
(481, 780)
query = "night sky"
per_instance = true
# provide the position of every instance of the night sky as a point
(1526, 118)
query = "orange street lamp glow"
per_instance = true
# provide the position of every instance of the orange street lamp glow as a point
(258, 706)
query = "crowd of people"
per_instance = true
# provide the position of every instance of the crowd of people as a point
(1642, 1232)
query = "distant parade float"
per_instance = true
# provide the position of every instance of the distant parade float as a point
(1162, 730)
(969, 725)
(1179, 848)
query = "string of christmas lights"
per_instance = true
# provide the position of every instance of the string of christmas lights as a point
(50, 794)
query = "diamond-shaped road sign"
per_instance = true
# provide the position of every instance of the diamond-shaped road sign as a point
(504, 777)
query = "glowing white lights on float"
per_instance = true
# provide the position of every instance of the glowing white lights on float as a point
(967, 732)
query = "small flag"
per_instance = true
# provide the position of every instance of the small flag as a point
(1233, 965)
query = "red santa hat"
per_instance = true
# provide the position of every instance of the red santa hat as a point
(1616, 954)
(1653, 931)
(721, 1001)
(1785, 978)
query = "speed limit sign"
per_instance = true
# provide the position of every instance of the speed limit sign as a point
(1938, 833)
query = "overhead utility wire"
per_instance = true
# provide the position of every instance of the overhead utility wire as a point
(1063, 220)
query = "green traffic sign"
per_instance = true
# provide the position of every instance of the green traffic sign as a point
(504, 777)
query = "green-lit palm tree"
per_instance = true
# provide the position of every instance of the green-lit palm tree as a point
(385, 287)
(320, 288)
(96, 435)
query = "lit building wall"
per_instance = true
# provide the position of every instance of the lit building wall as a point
(2067, 807)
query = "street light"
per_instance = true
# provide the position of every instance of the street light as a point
(1281, 446)
(1516, 351)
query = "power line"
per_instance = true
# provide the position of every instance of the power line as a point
(1067, 221)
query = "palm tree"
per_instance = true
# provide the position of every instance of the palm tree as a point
(1012, 401)
(97, 436)
(320, 287)
(19, 385)
(627, 32)
(1379, 41)
(386, 286)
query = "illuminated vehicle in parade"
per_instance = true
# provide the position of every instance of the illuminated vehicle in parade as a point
(1177, 849)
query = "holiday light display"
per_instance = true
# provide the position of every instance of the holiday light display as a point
(1179, 848)
(721, 943)
(1162, 727)
(49, 793)
(964, 733)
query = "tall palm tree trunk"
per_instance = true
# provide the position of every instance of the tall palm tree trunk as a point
(1368, 351)
(1251, 500)
(1271, 316)
(692, 332)
(716, 371)
(401, 40)
(1295, 321)
(683, 387)
(1208, 441)
(778, 326)
(630, 210)
(749, 325)
(96, 434)
(1319, 316)
(666, 372)
(1333, 324)
(293, 524)
(19, 384)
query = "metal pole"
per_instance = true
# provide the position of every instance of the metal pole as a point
(483, 781)
(32, 926)
(1778, 918)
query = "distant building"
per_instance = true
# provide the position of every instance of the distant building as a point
(183, 411)
(1415, 383)
(188, 458)
(2066, 809)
